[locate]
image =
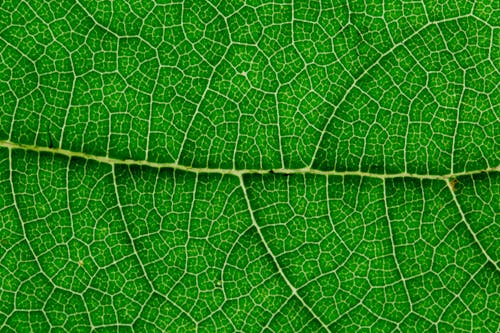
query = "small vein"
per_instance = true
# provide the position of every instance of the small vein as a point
(273, 256)
(369, 68)
(467, 224)
(136, 253)
(393, 246)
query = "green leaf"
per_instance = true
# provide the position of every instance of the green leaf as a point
(249, 166)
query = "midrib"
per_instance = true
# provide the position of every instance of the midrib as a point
(238, 173)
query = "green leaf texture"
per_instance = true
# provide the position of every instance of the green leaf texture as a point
(249, 166)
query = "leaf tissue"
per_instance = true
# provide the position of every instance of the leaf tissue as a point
(249, 166)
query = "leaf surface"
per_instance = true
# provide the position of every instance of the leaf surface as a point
(249, 166)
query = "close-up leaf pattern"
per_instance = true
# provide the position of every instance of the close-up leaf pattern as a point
(249, 166)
